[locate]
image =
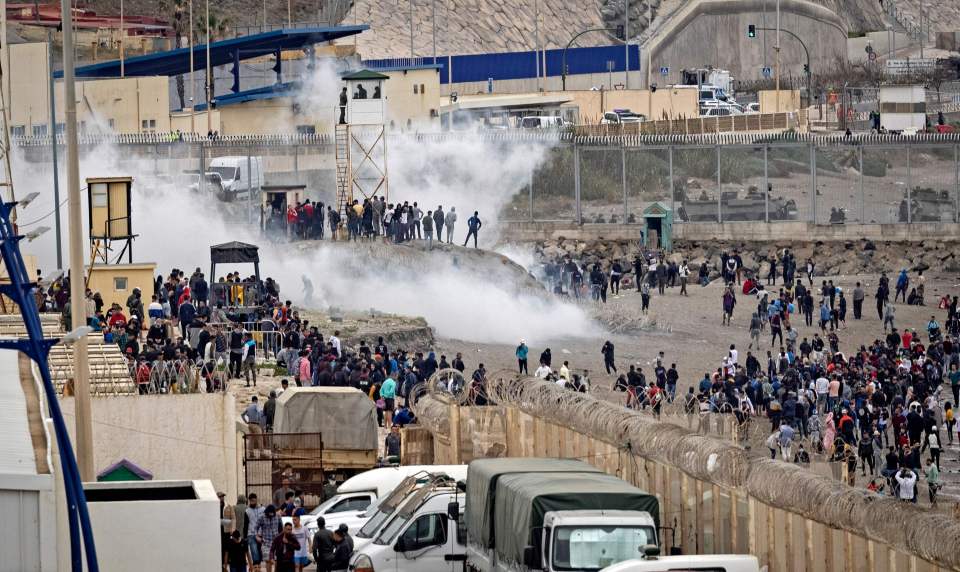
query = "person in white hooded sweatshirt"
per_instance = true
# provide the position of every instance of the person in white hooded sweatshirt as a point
(449, 222)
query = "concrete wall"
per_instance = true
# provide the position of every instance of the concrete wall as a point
(534, 231)
(674, 103)
(714, 33)
(176, 437)
(156, 535)
(420, 108)
(127, 102)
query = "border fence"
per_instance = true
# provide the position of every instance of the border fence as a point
(608, 175)
(715, 497)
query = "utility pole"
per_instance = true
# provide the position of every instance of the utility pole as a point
(121, 39)
(289, 13)
(193, 84)
(81, 368)
(536, 40)
(433, 17)
(209, 75)
(777, 48)
(53, 148)
(626, 44)
(5, 47)
(922, 36)
(411, 29)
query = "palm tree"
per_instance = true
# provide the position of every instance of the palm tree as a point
(219, 26)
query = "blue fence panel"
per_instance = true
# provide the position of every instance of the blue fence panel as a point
(520, 65)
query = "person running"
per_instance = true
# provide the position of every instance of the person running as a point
(607, 351)
(729, 301)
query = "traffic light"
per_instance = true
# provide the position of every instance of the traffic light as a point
(806, 69)
(621, 34)
(751, 31)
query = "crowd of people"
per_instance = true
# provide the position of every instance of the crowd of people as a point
(369, 219)
(255, 536)
(877, 408)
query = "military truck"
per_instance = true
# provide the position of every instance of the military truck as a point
(750, 207)
(553, 514)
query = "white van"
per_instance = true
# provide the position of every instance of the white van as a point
(232, 172)
(700, 563)
(542, 122)
(357, 499)
(421, 537)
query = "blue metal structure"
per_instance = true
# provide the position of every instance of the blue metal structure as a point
(37, 347)
(518, 65)
(232, 51)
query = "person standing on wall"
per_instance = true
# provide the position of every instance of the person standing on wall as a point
(450, 221)
(473, 226)
(343, 106)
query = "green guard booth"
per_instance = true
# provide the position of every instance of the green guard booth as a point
(658, 226)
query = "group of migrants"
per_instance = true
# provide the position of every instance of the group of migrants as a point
(369, 219)
(255, 536)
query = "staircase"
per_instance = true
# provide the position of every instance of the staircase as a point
(344, 183)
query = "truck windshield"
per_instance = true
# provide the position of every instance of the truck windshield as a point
(596, 547)
(226, 173)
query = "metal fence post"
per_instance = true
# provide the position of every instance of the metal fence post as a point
(202, 185)
(766, 183)
(249, 188)
(576, 182)
(863, 198)
(296, 159)
(909, 189)
(813, 182)
(623, 178)
(673, 200)
(719, 190)
(956, 188)
(530, 193)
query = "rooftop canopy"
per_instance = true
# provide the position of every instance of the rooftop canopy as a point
(234, 253)
(365, 75)
(176, 62)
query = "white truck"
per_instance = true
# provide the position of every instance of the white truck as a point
(706, 562)
(227, 177)
(358, 498)
(522, 514)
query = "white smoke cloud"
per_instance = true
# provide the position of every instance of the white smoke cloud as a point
(469, 172)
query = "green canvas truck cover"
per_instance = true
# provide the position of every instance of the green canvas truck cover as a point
(522, 500)
(482, 477)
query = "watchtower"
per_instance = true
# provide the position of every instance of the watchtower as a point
(109, 218)
(361, 139)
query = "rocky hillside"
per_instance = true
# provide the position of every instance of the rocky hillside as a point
(476, 26)
(833, 258)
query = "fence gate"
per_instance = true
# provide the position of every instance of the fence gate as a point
(269, 458)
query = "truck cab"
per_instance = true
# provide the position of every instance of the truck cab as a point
(422, 536)
(588, 540)
(236, 175)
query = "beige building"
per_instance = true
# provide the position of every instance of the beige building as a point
(127, 105)
(412, 98)
(116, 282)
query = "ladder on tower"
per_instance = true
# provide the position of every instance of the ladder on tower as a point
(344, 176)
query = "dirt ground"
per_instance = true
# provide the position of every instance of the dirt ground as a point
(690, 334)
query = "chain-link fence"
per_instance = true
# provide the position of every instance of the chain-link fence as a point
(823, 180)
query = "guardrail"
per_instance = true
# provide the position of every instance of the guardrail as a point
(174, 139)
